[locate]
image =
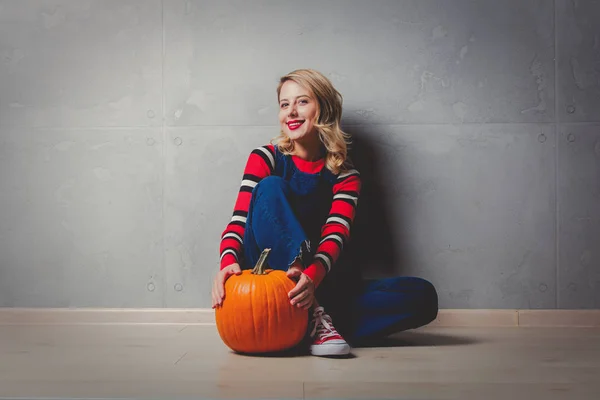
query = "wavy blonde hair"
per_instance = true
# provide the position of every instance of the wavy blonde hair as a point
(327, 120)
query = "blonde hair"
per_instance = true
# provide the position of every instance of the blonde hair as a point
(327, 120)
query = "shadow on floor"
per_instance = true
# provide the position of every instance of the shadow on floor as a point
(301, 350)
(403, 339)
(296, 352)
(412, 339)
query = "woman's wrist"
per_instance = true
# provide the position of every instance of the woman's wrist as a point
(316, 272)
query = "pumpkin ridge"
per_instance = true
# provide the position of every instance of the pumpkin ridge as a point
(276, 289)
(238, 317)
(259, 289)
(266, 312)
(280, 288)
(283, 288)
(268, 293)
(231, 318)
(252, 307)
(293, 311)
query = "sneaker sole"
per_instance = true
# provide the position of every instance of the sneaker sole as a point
(330, 350)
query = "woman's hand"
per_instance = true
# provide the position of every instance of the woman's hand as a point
(303, 294)
(218, 289)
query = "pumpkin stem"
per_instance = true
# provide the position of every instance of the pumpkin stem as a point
(259, 268)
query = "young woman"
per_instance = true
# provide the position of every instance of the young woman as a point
(298, 197)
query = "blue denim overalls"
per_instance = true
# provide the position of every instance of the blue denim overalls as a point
(287, 211)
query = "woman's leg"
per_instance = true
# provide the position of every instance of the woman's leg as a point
(272, 223)
(325, 339)
(391, 305)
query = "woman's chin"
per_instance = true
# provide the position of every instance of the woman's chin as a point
(299, 136)
(294, 136)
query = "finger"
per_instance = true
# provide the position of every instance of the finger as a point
(213, 294)
(300, 286)
(232, 272)
(214, 300)
(216, 296)
(221, 290)
(300, 297)
(306, 303)
(293, 273)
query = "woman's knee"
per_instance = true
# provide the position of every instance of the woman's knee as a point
(429, 298)
(269, 192)
(425, 301)
(418, 293)
(271, 184)
(427, 288)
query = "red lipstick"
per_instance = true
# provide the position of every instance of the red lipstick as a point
(294, 124)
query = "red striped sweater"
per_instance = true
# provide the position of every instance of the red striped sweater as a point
(334, 233)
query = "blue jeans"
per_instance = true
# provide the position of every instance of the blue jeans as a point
(376, 308)
(274, 222)
(280, 219)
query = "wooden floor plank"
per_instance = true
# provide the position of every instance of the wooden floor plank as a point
(168, 361)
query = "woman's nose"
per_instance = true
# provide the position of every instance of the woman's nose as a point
(293, 110)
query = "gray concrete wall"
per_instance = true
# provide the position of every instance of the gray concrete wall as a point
(125, 126)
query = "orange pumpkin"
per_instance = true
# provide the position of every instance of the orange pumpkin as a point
(256, 315)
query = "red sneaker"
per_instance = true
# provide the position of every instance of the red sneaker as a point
(326, 339)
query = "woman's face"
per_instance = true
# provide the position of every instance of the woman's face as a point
(297, 112)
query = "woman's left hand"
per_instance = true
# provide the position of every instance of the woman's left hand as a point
(303, 295)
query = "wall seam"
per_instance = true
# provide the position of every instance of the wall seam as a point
(556, 164)
(164, 155)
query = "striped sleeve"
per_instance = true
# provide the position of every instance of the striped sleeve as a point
(260, 164)
(336, 230)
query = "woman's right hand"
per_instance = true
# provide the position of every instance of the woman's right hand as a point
(218, 289)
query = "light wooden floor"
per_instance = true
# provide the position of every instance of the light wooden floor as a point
(171, 361)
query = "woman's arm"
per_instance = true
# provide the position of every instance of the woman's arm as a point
(336, 230)
(260, 164)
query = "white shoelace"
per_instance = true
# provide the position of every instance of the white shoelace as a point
(323, 327)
